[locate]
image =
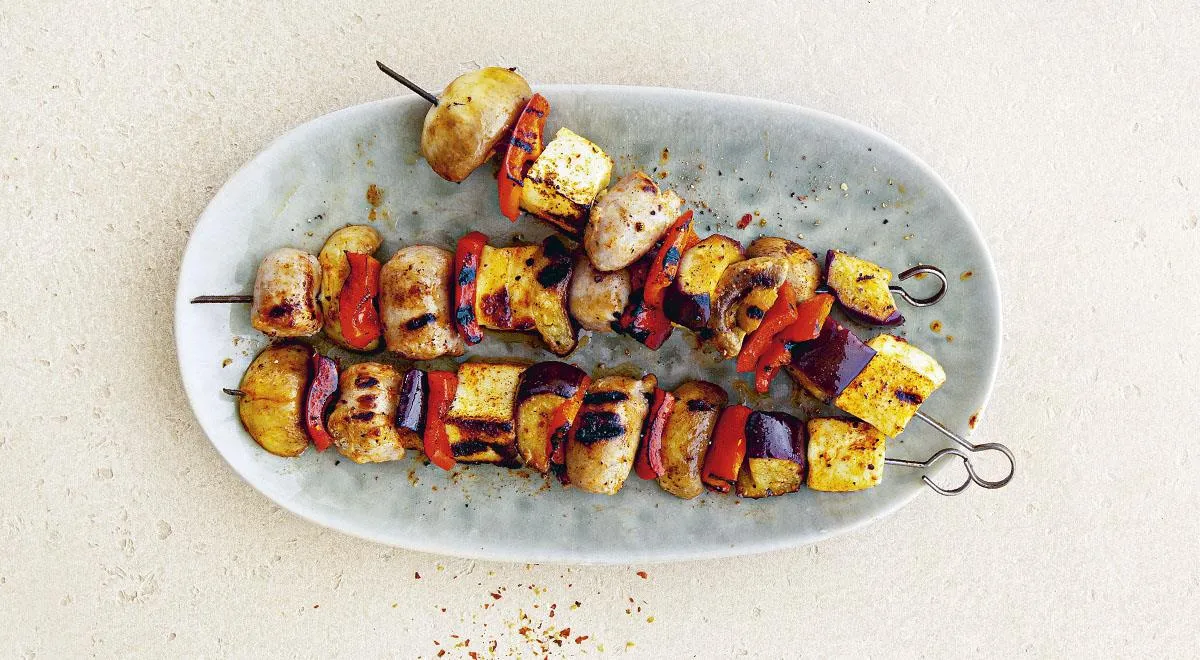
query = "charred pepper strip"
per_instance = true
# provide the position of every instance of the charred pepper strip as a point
(665, 267)
(356, 302)
(442, 385)
(649, 458)
(782, 314)
(524, 146)
(467, 255)
(810, 316)
(322, 386)
(727, 451)
(562, 421)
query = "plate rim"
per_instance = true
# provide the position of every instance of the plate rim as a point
(565, 556)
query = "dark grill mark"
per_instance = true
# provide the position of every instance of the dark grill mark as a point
(864, 277)
(909, 397)
(555, 272)
(597, 398)
(484, 426)
(597, 426)
(364, 416)
(496, 306)
(700, 405)
(465, 315)
(366, 400)
(366, 381)
(522, 145)
(671, 257)
(281, 310)
(420, 321)
(469, 448)
(762, 280)
(754, 312)
(466, 274)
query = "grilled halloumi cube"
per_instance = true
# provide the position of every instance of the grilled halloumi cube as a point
(564, 181)
(525, 287)
(480, 423)
(917, 359)
(885, 394)
(844, 454)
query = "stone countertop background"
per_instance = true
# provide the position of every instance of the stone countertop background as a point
(1071, 131)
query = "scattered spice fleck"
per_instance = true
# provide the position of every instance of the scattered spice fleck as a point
(496, 595)
(642, 574)
(374, 195)
(973, 421)
(967, 274)
(416, 575)
(909, 237)
(949, 338)
(845, 187)
(935, 326)
(226, 362)
(745, 221)
(650, 619)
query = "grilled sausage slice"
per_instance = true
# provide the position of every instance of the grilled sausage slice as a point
(415, 304)
(285, 294)
(627, 220)
(604, 441)
(335, 267)
(597, 298)
(363, 419)
(272, 407)
(687, 434)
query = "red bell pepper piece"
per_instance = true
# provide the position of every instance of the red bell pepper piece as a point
(467, 255)
(665, 267)
(645, 323)
(781, 315)
(356, 302)
(649, 458)
(322, 385)
(442, 385)
(728, 450)
(562, 421)
(810, 316)
(524, 146)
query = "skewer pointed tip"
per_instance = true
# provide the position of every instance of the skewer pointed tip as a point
(414, 87)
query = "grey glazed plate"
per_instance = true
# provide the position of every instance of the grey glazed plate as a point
(800, 174)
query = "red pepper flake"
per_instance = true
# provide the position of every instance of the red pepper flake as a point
(745, 221)
(474, 655)
(416, 575)
(496, 595)
(579, 639)
(565, 632)
(642, 574)
(524, 630)
(441, 652)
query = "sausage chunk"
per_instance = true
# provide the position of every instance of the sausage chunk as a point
(363, 422)
(285, 294)
(597, 298)
(415, 304)
(607, 429)
(627, 220)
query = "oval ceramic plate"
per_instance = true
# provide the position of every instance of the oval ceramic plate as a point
(800, 174)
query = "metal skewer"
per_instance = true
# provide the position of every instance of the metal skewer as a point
(416, 89)
(974, 448)
(932, 299)
(899, 291)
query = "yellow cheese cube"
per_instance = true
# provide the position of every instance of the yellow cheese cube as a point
(564, 181)
(844, 455)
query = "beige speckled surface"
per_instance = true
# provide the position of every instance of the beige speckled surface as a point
(1070, 133)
